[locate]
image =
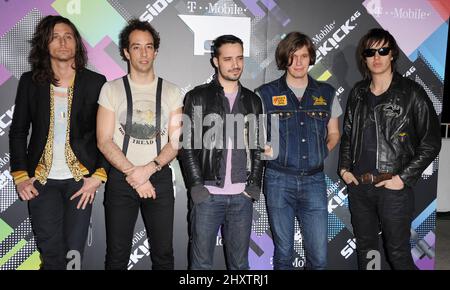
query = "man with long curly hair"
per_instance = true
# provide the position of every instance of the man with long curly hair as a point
(59, 170)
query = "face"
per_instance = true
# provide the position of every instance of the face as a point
(230, 61)
(141, 52)
(62, 46)
(300, 63)
(379, 64)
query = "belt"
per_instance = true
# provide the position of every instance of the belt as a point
(369, 178)
(292, 171)
(310, 172)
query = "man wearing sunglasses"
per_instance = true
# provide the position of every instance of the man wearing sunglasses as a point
(391, 134)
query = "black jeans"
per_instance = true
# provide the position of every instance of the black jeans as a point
(391, 211)
(58, 225)
(122, 204)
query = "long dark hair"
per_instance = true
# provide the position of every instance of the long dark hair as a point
(39, 55)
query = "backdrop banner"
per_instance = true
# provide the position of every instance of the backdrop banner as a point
(187, 28)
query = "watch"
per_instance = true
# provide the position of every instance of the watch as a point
(158, 166)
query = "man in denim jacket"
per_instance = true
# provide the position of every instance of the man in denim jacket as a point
(308, 129)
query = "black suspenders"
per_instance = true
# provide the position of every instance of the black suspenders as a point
(128, 124)
(158, 115)
(126, 138)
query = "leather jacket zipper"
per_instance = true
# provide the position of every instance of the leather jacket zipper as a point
(376, 130)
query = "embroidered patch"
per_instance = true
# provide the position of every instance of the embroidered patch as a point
(402, 136)
(279, 100)
(393, 110)
(319, 101)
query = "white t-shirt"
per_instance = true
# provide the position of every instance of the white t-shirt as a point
(142, 143)
(59, 169)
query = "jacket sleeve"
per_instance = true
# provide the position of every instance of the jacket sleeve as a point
(188, 156)
(345, 155)
(257, 164)
(427, 126)
(19, 131)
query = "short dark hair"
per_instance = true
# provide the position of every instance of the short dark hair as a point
(374, 36)
(136, 24)
(288, 45)
(224, 39)
(39, 57)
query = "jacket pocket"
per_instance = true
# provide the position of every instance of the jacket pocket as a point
(318, 121)
(286, 125)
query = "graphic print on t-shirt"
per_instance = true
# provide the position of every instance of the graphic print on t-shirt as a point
(143, 128)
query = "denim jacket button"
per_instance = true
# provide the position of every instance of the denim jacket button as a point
(303, 140)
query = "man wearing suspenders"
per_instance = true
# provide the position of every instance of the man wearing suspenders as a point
(137, 125)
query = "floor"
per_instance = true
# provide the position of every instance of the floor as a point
(443, 241)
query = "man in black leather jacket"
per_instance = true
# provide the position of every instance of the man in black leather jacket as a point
(391, 134)
(222, 171)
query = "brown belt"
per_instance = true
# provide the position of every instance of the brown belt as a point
(369, 178)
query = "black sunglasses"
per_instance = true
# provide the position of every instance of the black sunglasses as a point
(371, 51)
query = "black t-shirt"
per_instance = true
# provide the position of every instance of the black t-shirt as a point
(368, 159)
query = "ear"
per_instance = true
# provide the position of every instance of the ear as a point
(216, 62)
(127, 54)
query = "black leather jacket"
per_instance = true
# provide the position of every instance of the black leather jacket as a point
(407, 128)
(203, 164)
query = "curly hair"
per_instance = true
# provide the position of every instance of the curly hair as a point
(39, 57)
(136, 24)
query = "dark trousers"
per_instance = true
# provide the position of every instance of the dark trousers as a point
(58, 225)
(122, 204)
(391, 211)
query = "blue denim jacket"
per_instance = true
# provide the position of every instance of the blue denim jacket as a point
(302, 125)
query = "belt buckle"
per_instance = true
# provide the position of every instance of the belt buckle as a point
(304, 173)
(367, 178)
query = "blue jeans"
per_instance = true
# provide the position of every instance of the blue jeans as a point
(305, 197)
(234, 213)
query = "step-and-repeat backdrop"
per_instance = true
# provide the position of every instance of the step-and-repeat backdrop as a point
(187, 28)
